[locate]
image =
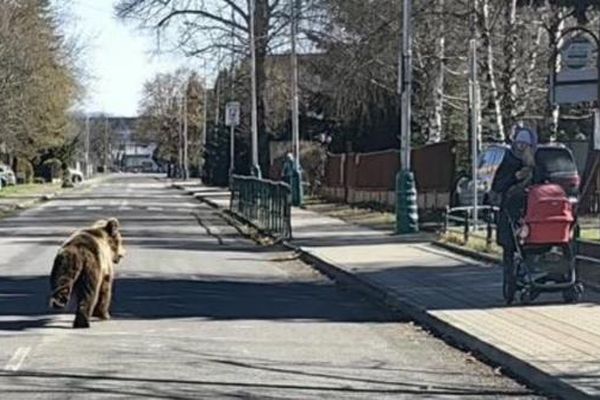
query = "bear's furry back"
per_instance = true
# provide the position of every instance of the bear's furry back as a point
(86, 251)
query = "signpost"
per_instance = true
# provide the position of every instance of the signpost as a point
(576, 80)
(232, 119)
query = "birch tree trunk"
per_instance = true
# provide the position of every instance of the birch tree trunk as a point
(489, 67)
(555, 30)
(510, 50)
(529, 73)
(436, 122)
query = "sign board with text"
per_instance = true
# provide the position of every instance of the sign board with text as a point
(232, 113)
(576, 80)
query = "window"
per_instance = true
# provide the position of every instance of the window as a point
(555, 160)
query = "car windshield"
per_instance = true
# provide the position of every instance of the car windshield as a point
(557, 160)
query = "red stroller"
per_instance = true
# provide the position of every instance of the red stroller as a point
(544, 257)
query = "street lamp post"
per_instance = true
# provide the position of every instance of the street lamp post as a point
(474, 109)
(87, 146)
(407, 220)
(186, 171)
(204, 126)
(296, 178)
(106, 142)
(255, 170)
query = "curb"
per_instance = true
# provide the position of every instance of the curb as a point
(207, 201)
(512, 366)
(32, 203)
(197, 196)
(18, 207)
(487, 258)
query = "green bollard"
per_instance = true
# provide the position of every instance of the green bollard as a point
(407, 214)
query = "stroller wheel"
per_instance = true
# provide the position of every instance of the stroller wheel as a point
(509, 284)
(573, 294)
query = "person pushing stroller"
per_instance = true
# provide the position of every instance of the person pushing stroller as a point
(512, 178)
(535, 228)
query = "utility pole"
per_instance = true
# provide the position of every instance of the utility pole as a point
(186, 171)
(204, 122)
(406, 86)
(255, 170)
(231, 98)
(87, 146)
(296, 178)
(231, 154)
(180, 139)
(106, 150)
(407, 219)
(474, 110)
(205, 114)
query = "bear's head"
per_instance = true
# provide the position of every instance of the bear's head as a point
(115, 240)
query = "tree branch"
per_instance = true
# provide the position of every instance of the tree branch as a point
(201, 13)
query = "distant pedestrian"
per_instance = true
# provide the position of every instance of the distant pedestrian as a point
(287, 170)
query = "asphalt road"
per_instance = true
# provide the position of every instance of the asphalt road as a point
(202, 313)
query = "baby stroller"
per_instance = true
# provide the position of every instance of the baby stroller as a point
(544, 243)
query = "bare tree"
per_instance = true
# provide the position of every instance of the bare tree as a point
(210, 29)
(161, 115)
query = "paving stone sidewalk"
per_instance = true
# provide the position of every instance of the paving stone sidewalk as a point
(549, 344)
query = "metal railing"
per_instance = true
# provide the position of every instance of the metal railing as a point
(264, 203)
(460, 219)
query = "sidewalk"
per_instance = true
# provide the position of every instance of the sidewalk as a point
(550, 345)
(18, 201)
(15, 201)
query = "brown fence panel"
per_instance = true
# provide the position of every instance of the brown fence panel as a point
(434, 167)
(350, 171)
(376, 170)
(333, 170)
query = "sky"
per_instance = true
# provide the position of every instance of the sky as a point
(119, 57)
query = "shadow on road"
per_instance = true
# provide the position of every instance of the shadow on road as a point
(168, 388)
(23, 303)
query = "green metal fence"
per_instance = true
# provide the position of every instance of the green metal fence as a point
(267, 204)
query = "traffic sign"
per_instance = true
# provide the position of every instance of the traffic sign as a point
(232, 113)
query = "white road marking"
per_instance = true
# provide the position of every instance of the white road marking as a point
(65, 208)
(123, 206)
(154, 208)
(92, 208)
(17, 359)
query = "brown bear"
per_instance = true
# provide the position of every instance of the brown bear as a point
(85, 265)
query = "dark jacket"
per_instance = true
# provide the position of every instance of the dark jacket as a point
(505, 184)
(505, 176)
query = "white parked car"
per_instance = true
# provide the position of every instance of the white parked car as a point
(74, 177)
(7, 175)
